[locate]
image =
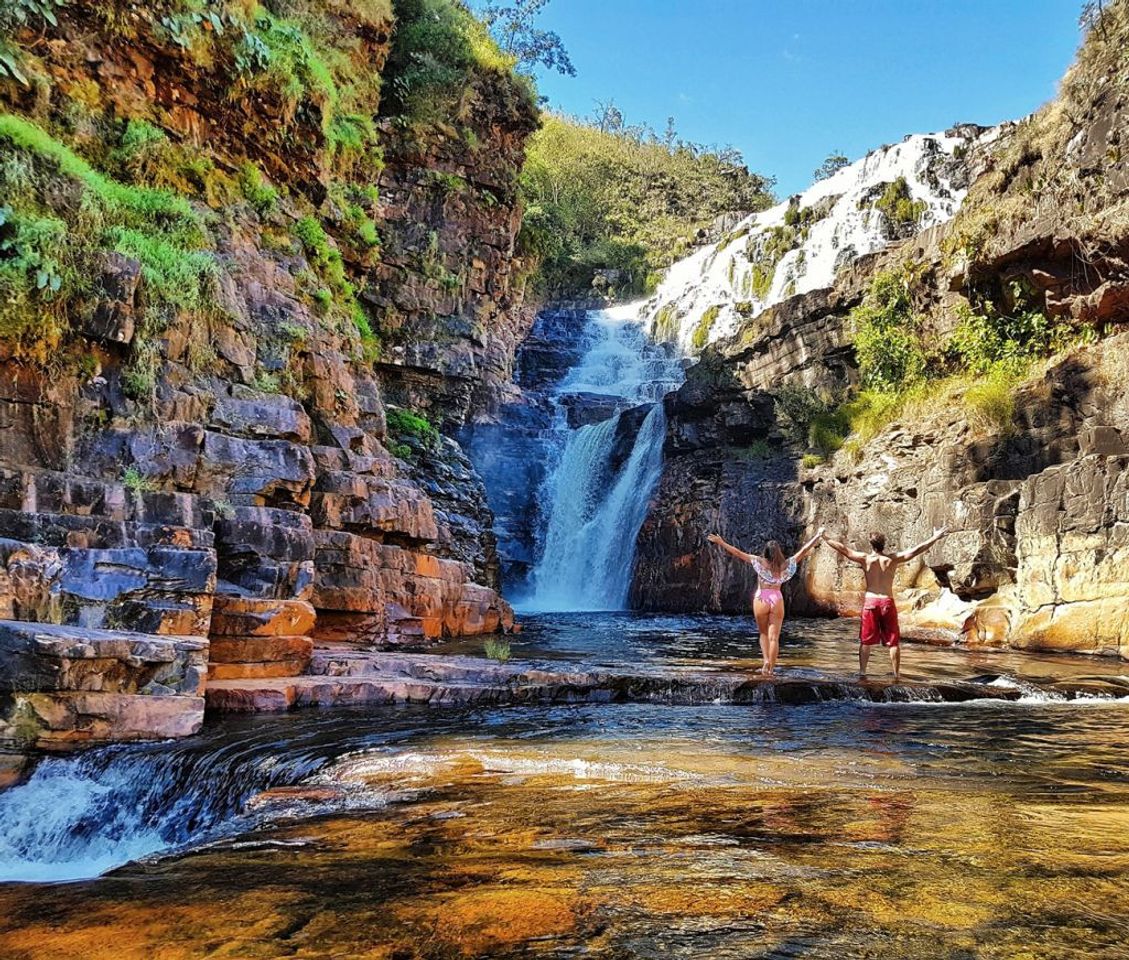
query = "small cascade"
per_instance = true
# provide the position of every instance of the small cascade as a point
(79, 816)
(801, 244)
(595, 494)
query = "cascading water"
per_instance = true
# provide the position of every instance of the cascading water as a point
(801, 244)
(596, 506)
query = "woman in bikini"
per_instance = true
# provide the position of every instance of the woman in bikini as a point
(773, 571)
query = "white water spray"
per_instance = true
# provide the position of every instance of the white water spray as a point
(801, 244)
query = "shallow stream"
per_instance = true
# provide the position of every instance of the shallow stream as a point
(984, 829)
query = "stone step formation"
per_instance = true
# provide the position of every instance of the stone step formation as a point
(120, 603)
(343, 677)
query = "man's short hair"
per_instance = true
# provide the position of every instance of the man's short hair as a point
(878, 541)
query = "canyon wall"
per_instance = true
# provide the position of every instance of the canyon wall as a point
(263, 470)
(1034, 493)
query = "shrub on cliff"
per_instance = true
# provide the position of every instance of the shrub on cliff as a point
(886, 333)
(439, 51)
(612, 198)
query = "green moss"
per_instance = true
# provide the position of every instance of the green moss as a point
(666, 323)
(49, 269)
(136, 482)
(256, 191)
(405, 424)
(180, 278)
(137, 206)
(702, 331)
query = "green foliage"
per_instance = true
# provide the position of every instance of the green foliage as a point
(621, 199)
(513, 28)
(266, 382)
(800, 407)
(136, 482)
(47, 268)
(439, 50)
(182, 279)
(886, 333)
(401, 450)
(355, 208)
(810, 460)
(990, 401)
(497, 649)
(33, 269)
(408, 424)
(986, 340)
(133, 206)
(898, 206)
(16, 15)
(338, 293)
(834, 162)
(256, 191)
(702, 331)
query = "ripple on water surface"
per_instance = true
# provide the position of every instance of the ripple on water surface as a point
(621, 830)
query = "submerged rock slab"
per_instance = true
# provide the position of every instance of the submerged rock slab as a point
(62, 685)
(341, 678)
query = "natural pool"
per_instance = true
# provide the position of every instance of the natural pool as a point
(833, 830)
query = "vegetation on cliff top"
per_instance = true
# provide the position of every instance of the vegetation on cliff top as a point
(608, 206)
(79, 180)
(1033, 178)
(903, 371)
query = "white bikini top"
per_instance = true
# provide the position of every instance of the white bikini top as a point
(767, 577)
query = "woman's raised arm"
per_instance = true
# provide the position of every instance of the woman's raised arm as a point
(809, 546)
(729, 548)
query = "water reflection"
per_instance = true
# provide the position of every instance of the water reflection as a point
(837, 830)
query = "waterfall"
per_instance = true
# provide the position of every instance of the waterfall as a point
(802, 243)
(595, 519)
(592, 504)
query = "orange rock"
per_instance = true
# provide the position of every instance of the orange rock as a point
(259, 649)
(255, 671)
(252, 616)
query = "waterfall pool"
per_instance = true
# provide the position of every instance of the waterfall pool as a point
(842, 829)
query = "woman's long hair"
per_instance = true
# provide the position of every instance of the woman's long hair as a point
(775, 557)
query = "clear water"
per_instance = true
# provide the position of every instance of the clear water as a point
(619, 831)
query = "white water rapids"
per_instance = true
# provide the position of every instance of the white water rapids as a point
(840, 222)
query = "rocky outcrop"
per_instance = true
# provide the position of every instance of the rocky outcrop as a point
(65, 686)
(221, 471)
(1032, 490)
(343, 678)
(511, 447)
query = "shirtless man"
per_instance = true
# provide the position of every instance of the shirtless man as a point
(879, 614)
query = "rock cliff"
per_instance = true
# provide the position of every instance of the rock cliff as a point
(244, 306)
(1032, 489)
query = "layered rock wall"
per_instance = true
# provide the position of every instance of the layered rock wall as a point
(220, 485)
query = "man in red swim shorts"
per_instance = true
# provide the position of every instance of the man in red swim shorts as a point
(879, 613)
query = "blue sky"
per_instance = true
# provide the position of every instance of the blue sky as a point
(788, 81)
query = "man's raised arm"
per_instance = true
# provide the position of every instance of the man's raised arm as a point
(921, 547)
(853, 555)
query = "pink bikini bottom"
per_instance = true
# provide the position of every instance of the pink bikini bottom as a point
(770, 595)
